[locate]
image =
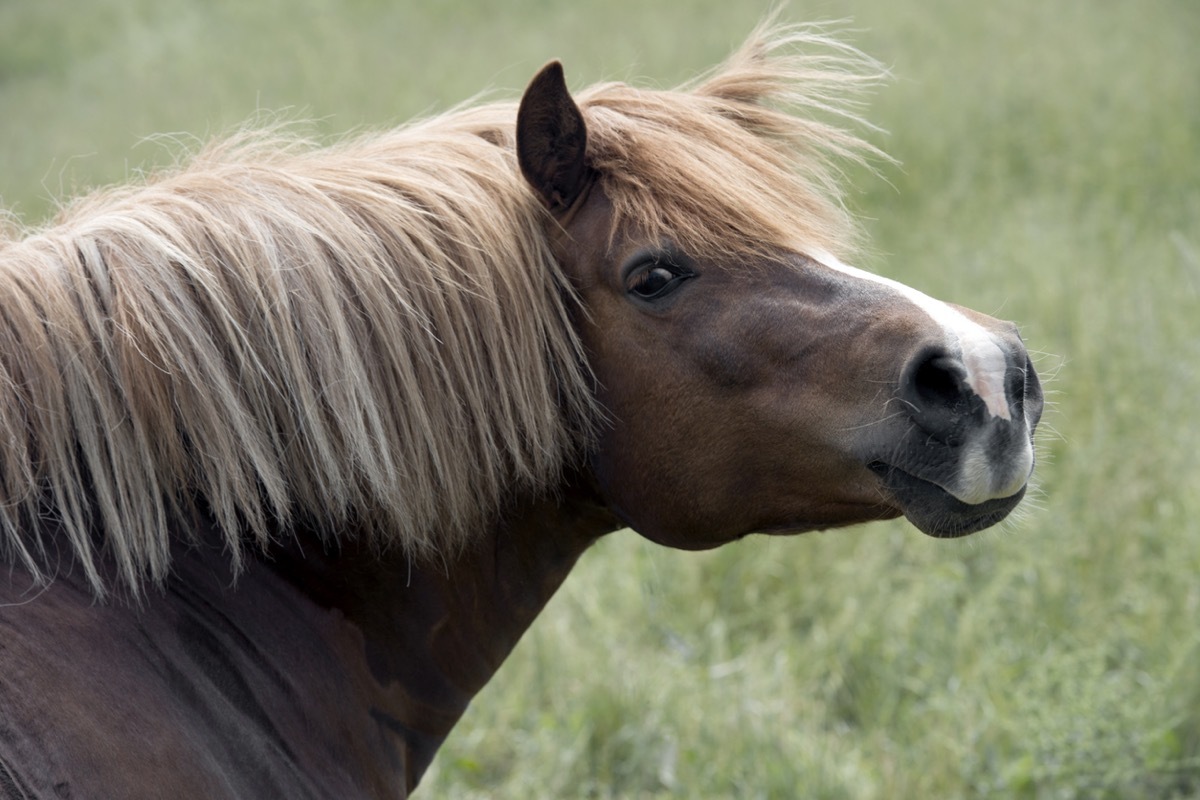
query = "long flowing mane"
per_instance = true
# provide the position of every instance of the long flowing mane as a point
(373, 333)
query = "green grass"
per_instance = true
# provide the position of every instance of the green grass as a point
(1050, 174)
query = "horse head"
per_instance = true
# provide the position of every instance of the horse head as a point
(765, 386)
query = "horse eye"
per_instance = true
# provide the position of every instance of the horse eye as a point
(655, 281)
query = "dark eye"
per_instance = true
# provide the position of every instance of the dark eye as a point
(655, 280)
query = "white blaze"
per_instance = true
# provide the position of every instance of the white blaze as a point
(981, 355)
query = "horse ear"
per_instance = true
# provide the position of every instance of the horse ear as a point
(552, 140)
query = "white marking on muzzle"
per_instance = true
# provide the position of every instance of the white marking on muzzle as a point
(981, 355)
(983, 479)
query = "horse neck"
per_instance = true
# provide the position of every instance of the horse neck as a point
(434, 633)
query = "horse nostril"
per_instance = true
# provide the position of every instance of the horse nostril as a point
(1031, 395)
(935, 387)
(1014, 385)
(939, 380)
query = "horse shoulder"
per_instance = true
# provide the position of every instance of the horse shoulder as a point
(200, 691)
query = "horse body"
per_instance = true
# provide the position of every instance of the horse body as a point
(206, 693)
(322, 675)
(424, 373)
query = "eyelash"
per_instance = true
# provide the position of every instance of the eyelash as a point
(655, 278)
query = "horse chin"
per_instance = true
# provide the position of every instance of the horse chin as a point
(936, 512)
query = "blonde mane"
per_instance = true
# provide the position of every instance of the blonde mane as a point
(372, 334)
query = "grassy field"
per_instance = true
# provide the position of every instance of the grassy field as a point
(1049, 173)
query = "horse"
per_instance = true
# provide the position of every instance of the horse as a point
(297, 440)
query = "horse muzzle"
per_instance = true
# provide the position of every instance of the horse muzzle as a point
(961, 453)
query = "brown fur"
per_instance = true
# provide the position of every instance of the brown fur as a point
(373, 332)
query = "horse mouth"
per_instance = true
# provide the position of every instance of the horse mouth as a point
(936, 512)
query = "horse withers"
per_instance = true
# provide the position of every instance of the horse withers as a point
(298, 441)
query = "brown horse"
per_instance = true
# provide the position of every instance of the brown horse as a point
(296, 442)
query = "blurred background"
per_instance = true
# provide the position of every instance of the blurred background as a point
(1049, 173)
